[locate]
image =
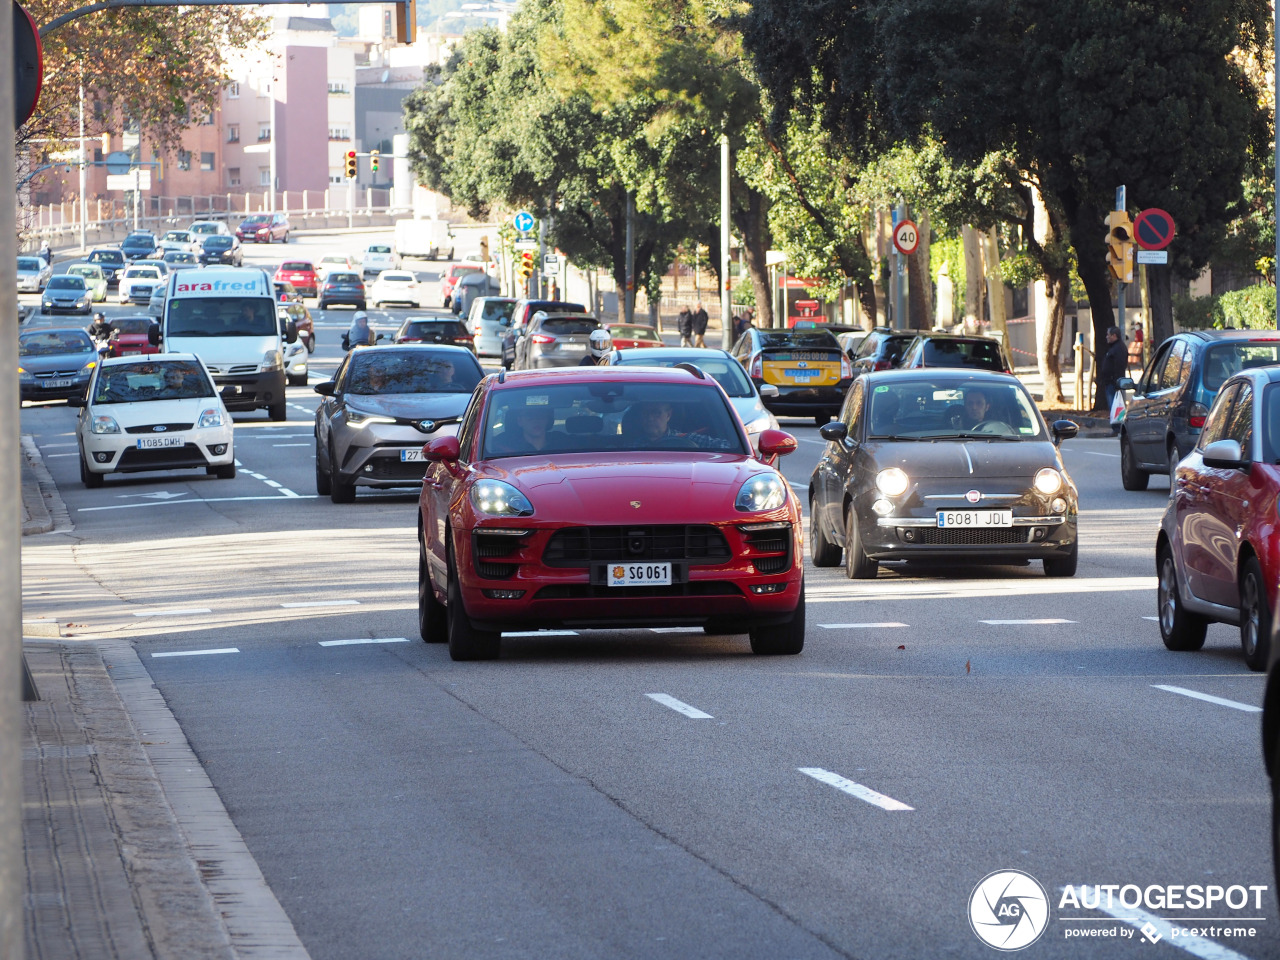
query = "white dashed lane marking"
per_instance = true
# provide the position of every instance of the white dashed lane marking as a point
(196, 653)
(173, 612)
(1209, 698)
(282, 495)
(864, 793)
(679, 706)
(859, 626)
(1156, 929)
(540, 633)
(321, 603)
(1044, 622)
(348, 643)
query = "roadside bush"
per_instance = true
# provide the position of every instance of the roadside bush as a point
(1196, 313)
(1253, 308)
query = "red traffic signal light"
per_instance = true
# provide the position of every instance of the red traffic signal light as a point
(351, 165)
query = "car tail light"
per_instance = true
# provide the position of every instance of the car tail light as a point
(542, 338)
(757, 367)
(409, 340)
(881, 365)
(1198, 414)
(462, 340)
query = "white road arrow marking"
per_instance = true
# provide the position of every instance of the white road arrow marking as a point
(158, 495)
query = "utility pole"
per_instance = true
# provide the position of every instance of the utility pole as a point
(137, 191)
(84, 202)
(726, 306)
(899, 268)
(274, 175)
(542, 253)
(629, 301)
(1120, 286)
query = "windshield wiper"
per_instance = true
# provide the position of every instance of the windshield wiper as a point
(976, 436)
(882, 436)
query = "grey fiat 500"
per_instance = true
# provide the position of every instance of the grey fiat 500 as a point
(942, 465)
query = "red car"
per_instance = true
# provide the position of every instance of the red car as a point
(454, 273)
(129, 337)
(1218, 551)
(607, 497)
(302, 274)
(263, 228)
(626, 337)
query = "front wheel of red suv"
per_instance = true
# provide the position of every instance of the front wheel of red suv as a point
(784, 639)
(465, 641)
(432, 620)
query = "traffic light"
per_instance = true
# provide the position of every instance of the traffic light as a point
(484, 249)
(524, 265)
(373, 160)
(1120, 245)
(406, 21)
(351, 164)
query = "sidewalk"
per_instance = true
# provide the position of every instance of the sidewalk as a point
(129, 852)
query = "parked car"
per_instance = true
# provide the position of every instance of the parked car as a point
(638, 501)
(55, 364)
(66, 293)
(555, 340)
(379, 409)
(33, 274)
(153, 413)
(435, 330)
(487, 320)
(630, 337)
(264, 228)
(111, 260)
(302, 274)
(179, 241)
(221, 249)
(989, 485)
(929, 350)
(881, 349)
(470, 288)
(1217, 553)
(395, 286)
(345, 288)
(452, 274)
(1170, 404)
(139, 246)
(297, 311)
(138, 281)
(209, 228)
(721, 367)
(130, 337)
(808, 367)
(378, 257)
(180, 261)
(521, 314)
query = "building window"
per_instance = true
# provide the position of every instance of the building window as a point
(206, 161)
(97, 154)
(264, 176)
(184, 159)
(233, 133)
(339, 133)
(264, 132)
(207, 120)
(233, 91)
(335, 176)
(339, 88)
(233, 176)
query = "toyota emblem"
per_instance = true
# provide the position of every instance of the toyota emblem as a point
(973, 496)
(428, 426)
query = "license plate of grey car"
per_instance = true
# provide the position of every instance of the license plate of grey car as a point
(975, 519)
(56, 384)
(414, 454)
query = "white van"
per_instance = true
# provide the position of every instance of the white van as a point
(227, 317)
(424, 239)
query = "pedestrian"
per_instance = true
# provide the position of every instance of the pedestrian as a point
(699, 326)
(684, 324)
(1114, 364)
(46, 252)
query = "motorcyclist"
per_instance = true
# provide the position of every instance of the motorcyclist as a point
(100, 330)
(601, 343)
(360, 333)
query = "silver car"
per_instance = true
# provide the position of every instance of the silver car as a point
(488, 321)
(381, 406)
(555, 340)
(33, 274)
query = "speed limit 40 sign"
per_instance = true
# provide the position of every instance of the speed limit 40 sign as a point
(906, 237)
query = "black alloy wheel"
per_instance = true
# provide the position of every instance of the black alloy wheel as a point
(1180, 630)
(1255, 616)
(857, 565)
(825, 553)
(1131, 477)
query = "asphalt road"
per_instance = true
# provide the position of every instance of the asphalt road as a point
(549, 805)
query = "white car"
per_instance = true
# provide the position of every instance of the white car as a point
(378, 257)
(180, 241)
(334, 261)
(209, 228)
(138, 281)
(33, 274)
(156, 412)
(395, 286)
(295, 354)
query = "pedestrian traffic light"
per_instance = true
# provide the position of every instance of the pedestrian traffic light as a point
(1120, 245)
(373, 160)
(351, 165)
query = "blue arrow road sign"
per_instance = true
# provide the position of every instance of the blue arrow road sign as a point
(523, 221)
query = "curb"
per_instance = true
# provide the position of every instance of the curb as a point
(37, 518)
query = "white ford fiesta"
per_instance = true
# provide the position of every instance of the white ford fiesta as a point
(158, 412)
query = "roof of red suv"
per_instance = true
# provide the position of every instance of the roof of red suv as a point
(553, 375)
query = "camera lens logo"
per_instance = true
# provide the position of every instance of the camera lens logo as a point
(1009, 910)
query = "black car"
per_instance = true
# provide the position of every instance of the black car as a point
(942, 465)
(1163, 420)
(808, 367)
(219, 248)
(139, 246)
(342, 287)
(111, 260)
(55, 364)
(435, 330)
(955, 350)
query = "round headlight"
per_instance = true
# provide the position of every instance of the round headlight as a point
(1048, 481)
(764, 491)
(892, 482)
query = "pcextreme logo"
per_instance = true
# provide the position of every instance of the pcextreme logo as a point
(1009, 910)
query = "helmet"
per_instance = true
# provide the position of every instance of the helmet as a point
(601, 343)
(99, 317)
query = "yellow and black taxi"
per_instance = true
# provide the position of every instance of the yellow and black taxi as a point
(809, 369)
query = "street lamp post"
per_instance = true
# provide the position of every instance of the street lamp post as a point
(726, 307)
